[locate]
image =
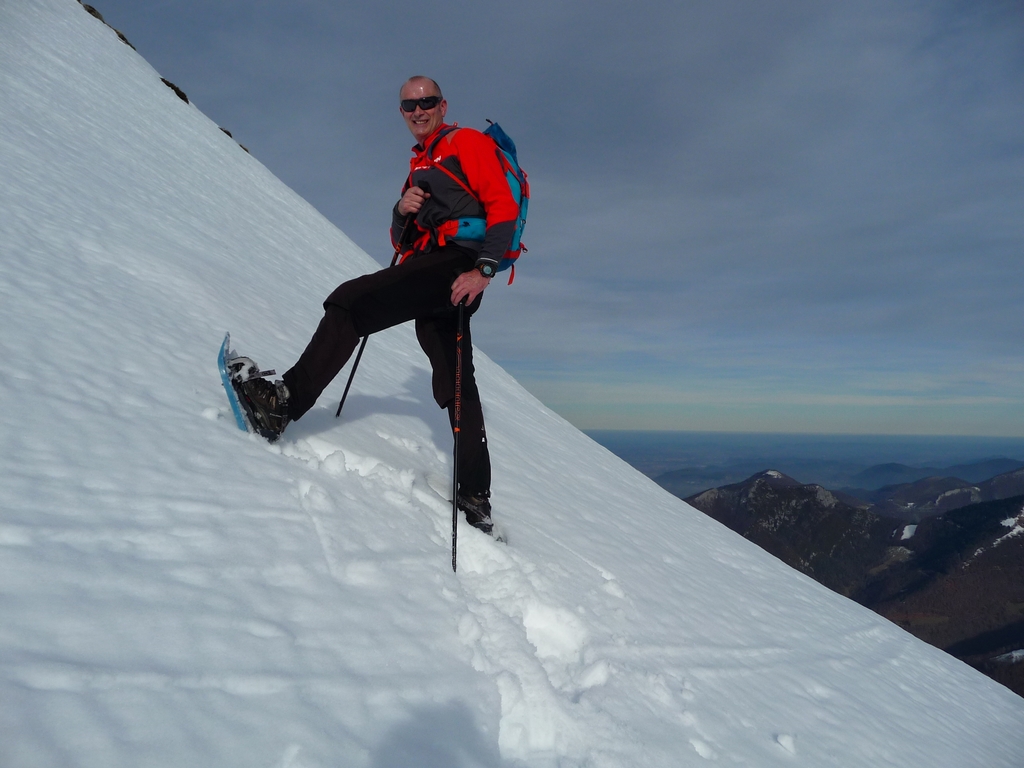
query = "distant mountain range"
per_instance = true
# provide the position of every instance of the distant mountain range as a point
(914, 501)
(882, 475)
(854, 478)
(955, 579)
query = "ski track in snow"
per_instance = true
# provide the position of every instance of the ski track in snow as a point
(178, 593)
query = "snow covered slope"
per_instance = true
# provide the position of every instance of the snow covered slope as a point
(174, 592)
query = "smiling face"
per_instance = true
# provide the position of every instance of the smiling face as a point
(422, 122)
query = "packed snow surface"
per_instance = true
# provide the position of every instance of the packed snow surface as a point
(176, 592)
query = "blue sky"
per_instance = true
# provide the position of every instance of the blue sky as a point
(793, 217)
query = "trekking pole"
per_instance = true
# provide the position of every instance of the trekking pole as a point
(352, 373)
(355, 365)
(456, 428)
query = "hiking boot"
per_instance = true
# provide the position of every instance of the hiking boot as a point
(268, 404)
(478, 511)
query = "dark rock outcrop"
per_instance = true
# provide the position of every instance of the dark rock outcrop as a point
(176, 89)
(93, 12)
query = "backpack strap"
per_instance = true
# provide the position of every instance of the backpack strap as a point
(449, 130)
(453, 177)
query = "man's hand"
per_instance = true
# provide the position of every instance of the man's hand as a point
(468, 286)
(412, 201)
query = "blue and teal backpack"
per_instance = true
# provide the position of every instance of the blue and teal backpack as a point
(473, 228)
(520, 187)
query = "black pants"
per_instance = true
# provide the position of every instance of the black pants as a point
(418, 289)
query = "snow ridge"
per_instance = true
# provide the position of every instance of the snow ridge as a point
(178, 593)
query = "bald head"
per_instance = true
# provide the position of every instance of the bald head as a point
(424, 84)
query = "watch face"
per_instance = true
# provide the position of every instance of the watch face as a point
(487, 270)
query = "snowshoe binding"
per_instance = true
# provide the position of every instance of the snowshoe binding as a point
(259, 405)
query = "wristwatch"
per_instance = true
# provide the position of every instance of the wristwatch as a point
(487, 270)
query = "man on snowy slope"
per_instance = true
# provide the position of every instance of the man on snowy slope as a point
(454, 174)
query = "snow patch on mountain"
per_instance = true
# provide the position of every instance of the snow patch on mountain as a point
(1016, 526)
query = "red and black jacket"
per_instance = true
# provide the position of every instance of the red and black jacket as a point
(460, 169)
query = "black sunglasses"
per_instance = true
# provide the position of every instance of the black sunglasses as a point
(425, 103)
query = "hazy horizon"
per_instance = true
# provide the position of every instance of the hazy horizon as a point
(819, 458)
